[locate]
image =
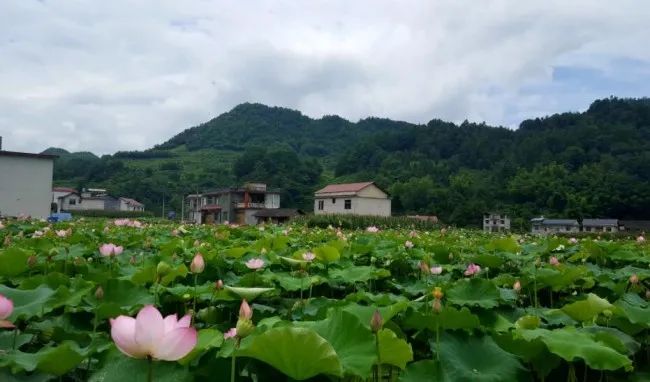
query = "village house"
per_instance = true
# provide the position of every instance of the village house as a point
(495, 222)
(543, 226)
(352, 198)
(65, 199)
(634, 226)
(25, 183)
(69, 200)
(599, 225)
(234, 205)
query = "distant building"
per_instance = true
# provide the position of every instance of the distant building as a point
(277, 215)
(599, 225)
(25, 183)
(69, 200)
(234, 205)
(495, 222)
(634, 226)
(543, 226)
(352, 198)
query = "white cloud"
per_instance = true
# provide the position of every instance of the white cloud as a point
(122, 75)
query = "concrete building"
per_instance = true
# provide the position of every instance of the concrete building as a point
(65, 199)
(233, 205)
(543, 226)
(69, 200)
(634, 226)
(599, 225)
(25, 183)
(495, 222)
(352, 198)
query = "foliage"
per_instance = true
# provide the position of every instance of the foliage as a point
(582, 319)
(111, 214)
(361, 222)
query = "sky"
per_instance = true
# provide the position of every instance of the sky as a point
(105, 76)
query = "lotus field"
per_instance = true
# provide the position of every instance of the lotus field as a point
(104, 300)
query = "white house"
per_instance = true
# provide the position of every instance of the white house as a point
(352, 198)
(25, 183)
(496, 222)
(543, 226)
(65, 199)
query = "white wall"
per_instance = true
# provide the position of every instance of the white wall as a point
(359, 206)
(25, 186)
(92, 204)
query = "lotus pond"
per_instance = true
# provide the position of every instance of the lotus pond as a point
(85, 301)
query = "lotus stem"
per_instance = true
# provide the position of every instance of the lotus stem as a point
(378, 357)
(15, 338)
(233, 367)
(196, 275)
(150, 373)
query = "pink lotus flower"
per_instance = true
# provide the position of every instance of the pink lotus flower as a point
(372, 229)
(408, 244)
(149, 335)
(62, 233)
(245, 311)
(255, 263)
(110, 249)
(198, 264)
(413, 234)
(231, 333)
(6, 308)
(573, 240)
(376, 322)
(436, 270)
(37, 234)
(640, 239)
(308, 256)
(634, 279)
(516, 286)
(554, 261)
(472, 269)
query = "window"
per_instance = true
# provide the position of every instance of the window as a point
(333, 200)
(487, 221)
(72, 202)
(321, 204)
(348, 204)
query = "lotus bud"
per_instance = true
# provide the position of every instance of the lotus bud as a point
(245, 311)
(163, 269)
(99, 293)
(244, 328)
(634, 279)
(219, 284)
(198, 264)
(516, 286)
(376, 322)
(437, 293)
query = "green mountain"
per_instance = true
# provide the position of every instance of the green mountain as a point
(590, 164)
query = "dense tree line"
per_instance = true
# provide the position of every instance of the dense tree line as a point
(590, 164)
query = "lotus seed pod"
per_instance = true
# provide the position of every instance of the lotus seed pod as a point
(244, 328)
(163, 269)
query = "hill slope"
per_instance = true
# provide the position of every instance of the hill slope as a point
(595, 163)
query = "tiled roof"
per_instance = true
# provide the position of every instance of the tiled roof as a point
(599, 222)
(63, 189)
(132, 201)
(346, 187)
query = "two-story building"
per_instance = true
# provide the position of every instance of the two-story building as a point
(25, 183)
(495, 222)
(234, 205)
(352, 198)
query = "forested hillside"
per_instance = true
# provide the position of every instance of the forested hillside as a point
(591, 164)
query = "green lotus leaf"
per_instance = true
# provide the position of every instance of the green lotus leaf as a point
(355, 274)
(327, 254)
(426, 370)
(249, 294)
(120, 368)
(300, 353)
(470, 358)
(28, 303)
(393, 350)
(56, 360)
(528, 322)
(14, 261)
(571, 344)
(587, 309)
(207, 339)
(474, 292)
(291, 261)
(449, 318)
(364, 313)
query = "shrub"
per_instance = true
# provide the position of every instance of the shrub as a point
(362, 222)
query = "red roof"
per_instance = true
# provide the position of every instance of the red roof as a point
(63, 189)
(211, 207)
(346, 187)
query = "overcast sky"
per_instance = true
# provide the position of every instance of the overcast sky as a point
(117, 75)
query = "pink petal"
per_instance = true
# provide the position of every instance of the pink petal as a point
(149, 328)
(176, 344)
(123, 333)
(171, 322)
(185, 321)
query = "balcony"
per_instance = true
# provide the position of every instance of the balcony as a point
(250, 205)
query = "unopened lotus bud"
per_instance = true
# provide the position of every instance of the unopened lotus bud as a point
(198, 264)
(99, 293)
(376, 322)
(163, 269)
(245, 311)
(437, 293)
(634, 279)
(516, 286)
(218, 284)
(31, 261)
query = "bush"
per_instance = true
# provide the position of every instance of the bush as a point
(110, 214)
(362, 222)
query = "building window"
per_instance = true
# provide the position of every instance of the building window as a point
(72, 202)
(321, 204)
(348, 204)
(333, 200)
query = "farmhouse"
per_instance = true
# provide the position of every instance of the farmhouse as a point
(545, 226)
(25, 183)
(599, 225)
(69, 200)
(234, 205)
(352, 198)
(496, 222)
(65, 199)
